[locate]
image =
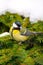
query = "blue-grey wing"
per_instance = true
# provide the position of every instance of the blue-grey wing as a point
(28, 33)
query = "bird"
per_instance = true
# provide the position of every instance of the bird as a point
(16, 34)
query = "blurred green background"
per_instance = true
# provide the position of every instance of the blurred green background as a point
(30, 52)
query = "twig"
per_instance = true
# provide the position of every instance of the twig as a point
(4, 34)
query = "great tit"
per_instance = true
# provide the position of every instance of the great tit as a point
(16, 34)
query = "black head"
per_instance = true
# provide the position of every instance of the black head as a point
(17, 25)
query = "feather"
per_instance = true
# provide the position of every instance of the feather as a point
(28, 33)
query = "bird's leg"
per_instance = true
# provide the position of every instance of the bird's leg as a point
(20, 43)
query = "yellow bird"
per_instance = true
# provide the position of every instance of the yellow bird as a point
(16, 34)
(15, 31)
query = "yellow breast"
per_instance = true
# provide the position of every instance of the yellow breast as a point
(18, 37)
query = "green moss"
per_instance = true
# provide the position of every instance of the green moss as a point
(11, 53)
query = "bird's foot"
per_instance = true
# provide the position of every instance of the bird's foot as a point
(20, 43)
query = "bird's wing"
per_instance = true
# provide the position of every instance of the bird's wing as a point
(28, 33)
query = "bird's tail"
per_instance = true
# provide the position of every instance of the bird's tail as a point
(28, 33)
(37, 32)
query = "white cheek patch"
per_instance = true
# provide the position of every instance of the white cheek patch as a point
(14, 25)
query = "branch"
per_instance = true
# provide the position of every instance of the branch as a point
(4, 34)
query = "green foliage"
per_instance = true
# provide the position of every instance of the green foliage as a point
(37, 26)
(26, 22)
(30, 52)
(9, 18)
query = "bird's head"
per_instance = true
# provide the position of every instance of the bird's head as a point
(17, 25)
